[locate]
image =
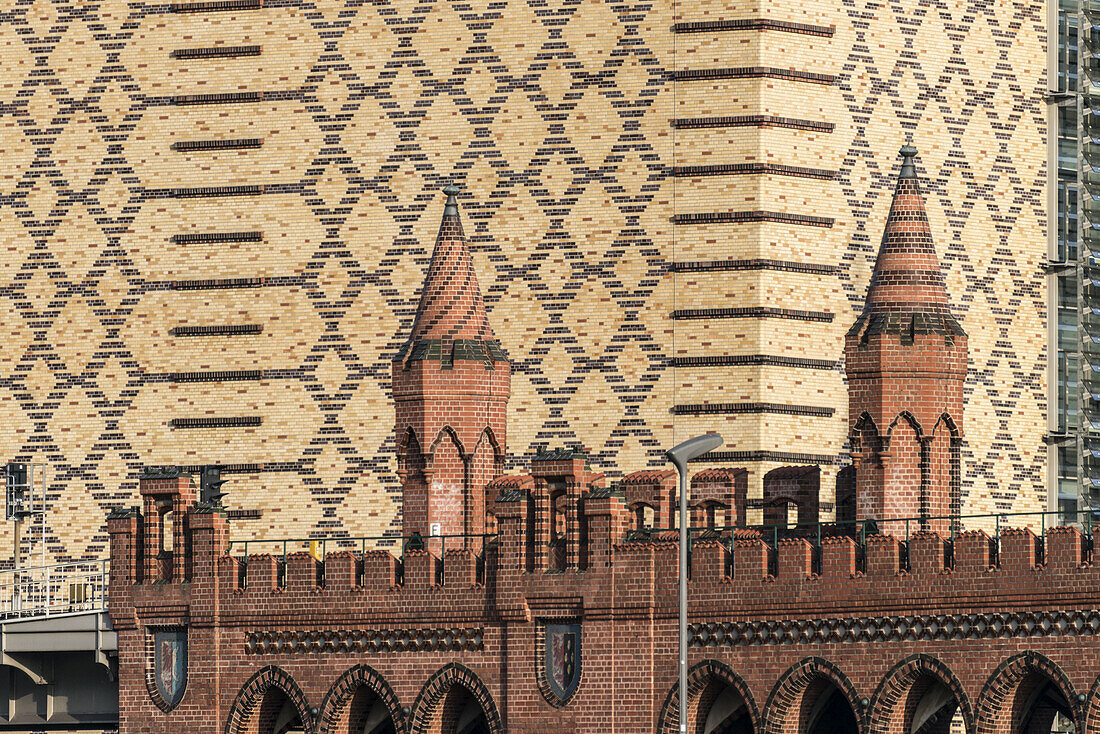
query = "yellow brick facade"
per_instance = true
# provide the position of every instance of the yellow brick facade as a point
(557, 122)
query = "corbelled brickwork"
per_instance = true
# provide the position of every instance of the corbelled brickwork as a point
(216, 216)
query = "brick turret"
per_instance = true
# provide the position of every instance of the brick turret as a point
(906, 360)
(451, 382)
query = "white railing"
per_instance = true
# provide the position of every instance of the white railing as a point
(49, 591)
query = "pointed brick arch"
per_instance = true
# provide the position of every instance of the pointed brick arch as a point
(425, 711)
(700, 677)
(446, 432)
(785, 699)
(335, 708)
(252, 693)
(883, 716)
(1000, 695)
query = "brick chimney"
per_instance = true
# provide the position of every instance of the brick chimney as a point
(906, 361)
(451, 382)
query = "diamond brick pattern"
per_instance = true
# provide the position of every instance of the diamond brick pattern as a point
(564, 149)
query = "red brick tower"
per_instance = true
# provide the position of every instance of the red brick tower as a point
(906, 359)
(451, 382)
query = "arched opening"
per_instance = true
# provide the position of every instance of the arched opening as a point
(1041, 707)
(791, 495)
(462, 714)
(719, 702)
(722, 710)
(368, 714)
(825, 710)
(1029, 694)
(813, 697)
(270, 703)
(455, 701)
(361, 702)
(277, 714)
(920, 695)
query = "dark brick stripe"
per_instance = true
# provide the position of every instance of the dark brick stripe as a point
(753, 24)
(747, 169)
(217, 330)
(750, 72)
(216, 284)
(234, 422)
(689, 123)
(221, 98)
(785, 457)
(211, 192)
(754, 360)
(244, 514)
(216, 52)
(225, 376)
(202, 145)
(258, 468)
(750, 217)
(700, 266)
(206, 238)
(751, 312)
(217, 5)
(735, 408)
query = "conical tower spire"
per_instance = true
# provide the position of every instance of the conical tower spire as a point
(451, 322)
(906, 359)
(907, 280)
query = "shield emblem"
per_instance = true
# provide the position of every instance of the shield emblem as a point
(563, 658)
(170, 663)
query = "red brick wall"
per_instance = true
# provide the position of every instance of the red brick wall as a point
(988, 629)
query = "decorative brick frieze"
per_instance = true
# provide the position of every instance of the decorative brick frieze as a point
(424, 640)
(253, 514)
(216, 5)
(978, 626)
(216, 52)
(693, 123)
(207, 192)
(751, 312)
(700, 266)
(750, 72)
(230, 422)
(218, 98)
(199, 146)
(750, 217)
(744, 360)
(735, 408)
(221, 376)
(209, 238)
(751, 169)
(753, 24)
(216, 284)
(217, 330)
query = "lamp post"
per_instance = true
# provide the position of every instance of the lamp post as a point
(680, 455)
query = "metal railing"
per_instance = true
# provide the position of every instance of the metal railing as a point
(50, 591)
(858, 530)
(319, 548)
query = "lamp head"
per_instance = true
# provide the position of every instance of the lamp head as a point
(682, 453)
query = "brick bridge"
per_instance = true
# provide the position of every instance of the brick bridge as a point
(1001, 634)
(551, 616)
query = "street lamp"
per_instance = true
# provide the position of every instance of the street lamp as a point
(680, 455)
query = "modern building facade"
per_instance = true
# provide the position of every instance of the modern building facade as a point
(217, 215)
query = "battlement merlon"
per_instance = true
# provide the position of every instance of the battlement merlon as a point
(734, 574)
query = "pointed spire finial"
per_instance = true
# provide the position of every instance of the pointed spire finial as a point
(452, 203)
(908, 169)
